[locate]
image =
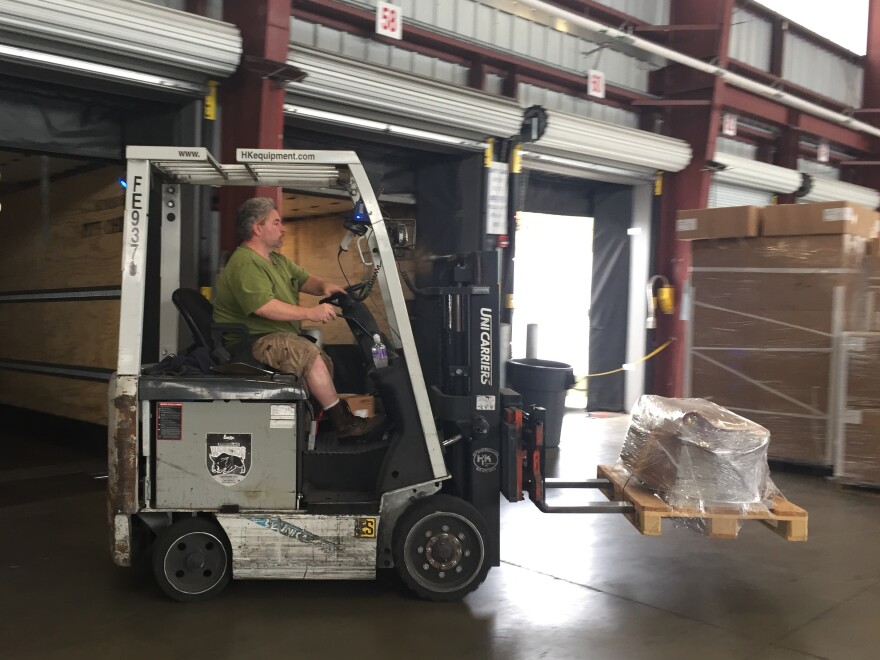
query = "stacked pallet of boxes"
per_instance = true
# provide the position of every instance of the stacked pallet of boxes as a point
(773, 290)
(858, 430)
(872, 300)
(858, 421)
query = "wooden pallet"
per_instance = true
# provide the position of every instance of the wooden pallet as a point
(785, 518)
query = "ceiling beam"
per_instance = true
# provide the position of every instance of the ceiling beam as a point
(671, 102)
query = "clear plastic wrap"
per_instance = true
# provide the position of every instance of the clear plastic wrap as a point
(765, 314)
(859, 436)
(697, 455)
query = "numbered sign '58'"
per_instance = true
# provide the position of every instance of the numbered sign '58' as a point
(389, 20)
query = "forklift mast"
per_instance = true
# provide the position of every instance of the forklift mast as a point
(469, 397)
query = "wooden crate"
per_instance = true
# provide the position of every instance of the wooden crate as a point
(785, 518)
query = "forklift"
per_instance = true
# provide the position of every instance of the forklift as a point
(218, 473)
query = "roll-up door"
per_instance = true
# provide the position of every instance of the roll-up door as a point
(724, 194)
(126, 41)
(346, 91)
(742, 182)
(829, 190)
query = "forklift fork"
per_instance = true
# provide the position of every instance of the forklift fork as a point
(524, 466)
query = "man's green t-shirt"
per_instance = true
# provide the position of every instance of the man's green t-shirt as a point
(248, 282)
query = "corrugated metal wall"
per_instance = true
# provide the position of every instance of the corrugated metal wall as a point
(213, 8)
(172, 4)
(804, 63)
(552, 43)
(729, 146)
(343, 43)
(818, 169)
(532, 95)
(822, 71)
(503, 30)
(367, 50)
(750, 39)
(653, 11)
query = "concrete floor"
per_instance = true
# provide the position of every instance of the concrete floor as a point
(568, 587)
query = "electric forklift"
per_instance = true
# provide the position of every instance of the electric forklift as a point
(218, 471)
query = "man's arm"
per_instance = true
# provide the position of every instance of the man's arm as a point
(276, 310)
(318, 287)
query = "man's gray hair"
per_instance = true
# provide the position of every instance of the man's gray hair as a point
(252, 212)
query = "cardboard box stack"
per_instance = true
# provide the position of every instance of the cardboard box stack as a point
(872, 299)
(769, 311)
(858, 419)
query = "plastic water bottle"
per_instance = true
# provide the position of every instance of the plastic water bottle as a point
(380, 354)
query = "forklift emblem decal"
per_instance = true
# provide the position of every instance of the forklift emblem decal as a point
(297, 533)
(486, 460)
(229, 457)
(485, 346)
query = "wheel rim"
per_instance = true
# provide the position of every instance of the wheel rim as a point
(444, 552)
(195, 563)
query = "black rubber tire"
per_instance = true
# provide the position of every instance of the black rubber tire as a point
(192, 560)
(439, 548)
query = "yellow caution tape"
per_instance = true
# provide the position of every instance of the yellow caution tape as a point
(644, 359)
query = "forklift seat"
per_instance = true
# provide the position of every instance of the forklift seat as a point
(198, 313)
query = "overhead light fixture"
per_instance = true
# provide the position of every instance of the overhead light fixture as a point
(381, 127)
(435, 137)
(591, 167)
(50, 60)
(334, 117)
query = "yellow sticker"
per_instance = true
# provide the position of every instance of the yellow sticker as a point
(516, 160)
(365, 528)
(211, 101)
(658, 185)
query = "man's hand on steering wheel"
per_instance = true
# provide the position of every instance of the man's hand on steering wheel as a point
(330, 288)
(355, 292)
(322, 313)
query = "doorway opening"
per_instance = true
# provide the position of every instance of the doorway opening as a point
(552, 288)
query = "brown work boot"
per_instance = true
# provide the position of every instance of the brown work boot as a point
(349, 426)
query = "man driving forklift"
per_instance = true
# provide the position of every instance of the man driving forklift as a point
(260, 288)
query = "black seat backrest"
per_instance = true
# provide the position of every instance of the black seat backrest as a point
(198, 313)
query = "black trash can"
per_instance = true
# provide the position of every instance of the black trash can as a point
(543, 383)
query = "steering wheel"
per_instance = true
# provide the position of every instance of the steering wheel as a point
(356, 292)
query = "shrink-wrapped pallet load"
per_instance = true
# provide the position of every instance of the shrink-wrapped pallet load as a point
(694, 453)
(858, 413)
(766, 312)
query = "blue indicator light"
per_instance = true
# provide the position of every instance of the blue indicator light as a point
(123, 182)
(360, 212)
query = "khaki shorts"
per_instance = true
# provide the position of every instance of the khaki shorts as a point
(289, 353)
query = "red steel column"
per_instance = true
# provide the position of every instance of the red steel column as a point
(688, 189)
(789, 149)
(252, 107)
(871, 84)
